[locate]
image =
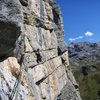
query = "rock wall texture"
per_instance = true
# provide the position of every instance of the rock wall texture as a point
(25, 26)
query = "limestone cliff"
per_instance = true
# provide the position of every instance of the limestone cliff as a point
(25, 26)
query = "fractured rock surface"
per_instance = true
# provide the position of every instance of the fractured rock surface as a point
(11, 20)
(28, 25)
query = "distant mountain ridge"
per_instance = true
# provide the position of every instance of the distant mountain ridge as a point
(84, 51)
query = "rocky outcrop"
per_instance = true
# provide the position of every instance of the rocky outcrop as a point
(11, 22)
(28, 25)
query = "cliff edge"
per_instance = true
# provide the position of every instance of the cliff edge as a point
(25, 27)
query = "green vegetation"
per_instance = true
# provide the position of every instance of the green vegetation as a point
(89, 85)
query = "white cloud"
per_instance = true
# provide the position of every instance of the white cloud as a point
(74, 39)
(88, 34)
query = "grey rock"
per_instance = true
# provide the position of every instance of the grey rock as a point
(11, 21)
(68, 93)
(42, 29)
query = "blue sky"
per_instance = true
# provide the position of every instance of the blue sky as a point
(81, 20)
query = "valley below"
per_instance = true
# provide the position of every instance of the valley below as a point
(85, 63)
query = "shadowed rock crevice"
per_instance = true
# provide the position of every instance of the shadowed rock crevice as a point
(9, 33)
(24, 2)
(11, 23)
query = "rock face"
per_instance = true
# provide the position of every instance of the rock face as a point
(11, 20)
(25, 26)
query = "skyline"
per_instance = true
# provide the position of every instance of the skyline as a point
(81, 20)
